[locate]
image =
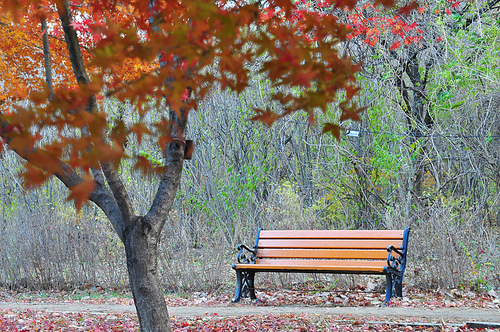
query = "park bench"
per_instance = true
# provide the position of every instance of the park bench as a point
(380, 252)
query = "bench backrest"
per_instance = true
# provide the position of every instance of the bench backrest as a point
(327, 244)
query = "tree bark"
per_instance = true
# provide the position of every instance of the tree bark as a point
(141, 250)
(46, 58)
(418, 120)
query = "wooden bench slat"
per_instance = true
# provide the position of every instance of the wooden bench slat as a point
(319, 269)
(322, 253)
(330, 262)
(310, 265)
(328, 244)
(331, 234)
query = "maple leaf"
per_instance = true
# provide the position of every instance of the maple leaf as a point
(373, 41)
(80, 193)
(185, 95)
(304, 78)
(268, 117)
(332, 129)
(395, 46)
(387, 3)
(347, 3)
(146, 166)
(351, 91)
(140, 129)
(408, 8)
(34, 176)
(77, 26)
(350, 115)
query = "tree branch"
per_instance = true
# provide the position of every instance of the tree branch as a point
(104, 199)
(491, 6)
(119, 191)
(75, 53)
(116, 204)
(174, 157)
(171, 177)
(46, 59)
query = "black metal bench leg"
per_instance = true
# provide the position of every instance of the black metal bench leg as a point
(251, 286)
(388, 287)
(239, 286)
(399, 287)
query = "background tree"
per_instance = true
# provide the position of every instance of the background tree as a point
(400, 54)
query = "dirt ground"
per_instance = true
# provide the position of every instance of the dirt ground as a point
(389, 314)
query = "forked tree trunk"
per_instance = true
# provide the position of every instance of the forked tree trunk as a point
(141, 250)
(139, 234)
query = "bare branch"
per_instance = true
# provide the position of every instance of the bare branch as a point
(105, 200)
(119, 191)
(46, 59)
(171, 177)
(75, 53)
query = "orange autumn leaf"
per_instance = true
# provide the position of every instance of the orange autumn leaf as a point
(80, 193)
(34, 176)
(333, 129)
(268, 117)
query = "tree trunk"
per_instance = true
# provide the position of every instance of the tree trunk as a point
(141, 250)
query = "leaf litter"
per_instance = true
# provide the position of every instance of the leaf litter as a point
(40, 320)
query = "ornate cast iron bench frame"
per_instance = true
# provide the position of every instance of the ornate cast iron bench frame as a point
(324, 251)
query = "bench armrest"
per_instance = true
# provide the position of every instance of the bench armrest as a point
(242, 258)
(393, 248)
(398, 263)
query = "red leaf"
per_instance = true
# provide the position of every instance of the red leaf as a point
(77, 26)
(395, 45)
(185, 96)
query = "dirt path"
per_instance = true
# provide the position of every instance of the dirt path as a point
(394, 314)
